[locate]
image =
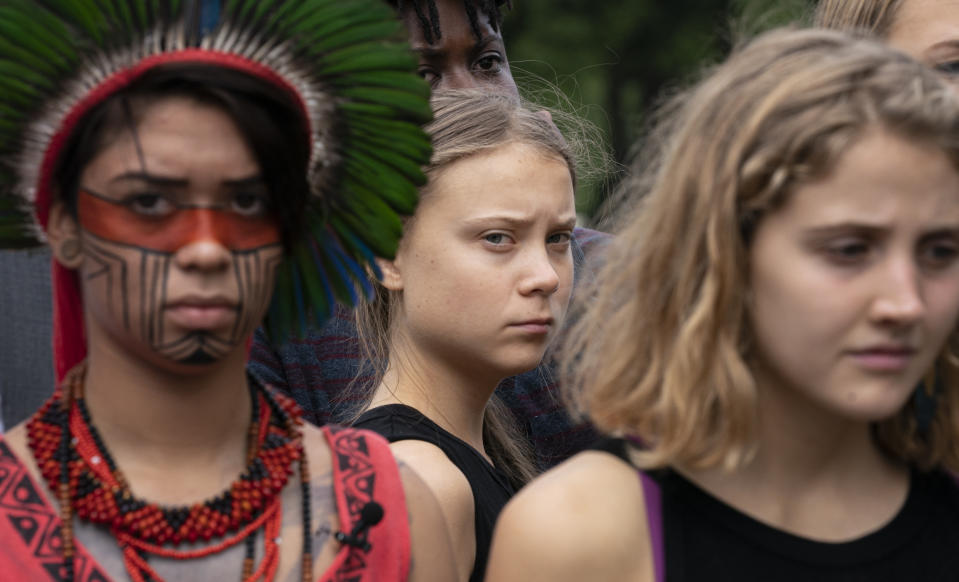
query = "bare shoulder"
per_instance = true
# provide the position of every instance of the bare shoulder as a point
(452, 492)
(444, 479)
(583, 520)
(596, 491)
(432, 556)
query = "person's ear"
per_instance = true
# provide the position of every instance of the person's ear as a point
(392, 277)
(63, 233)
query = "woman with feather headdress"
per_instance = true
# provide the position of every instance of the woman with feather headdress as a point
(195, 167)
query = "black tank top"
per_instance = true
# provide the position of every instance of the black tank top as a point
(491, 488)
(706, 540)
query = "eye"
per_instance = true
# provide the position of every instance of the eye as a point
(560, 240)
(497, 239)
(489, 63)
(847, 252)
(429, 74)
(950, 68)
(939, 254)
(250, 204)
(149, 204)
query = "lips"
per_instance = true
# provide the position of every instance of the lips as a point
(201, 312)
(536, 326)
(884, 358)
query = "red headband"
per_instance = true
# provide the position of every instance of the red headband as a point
(124, 78)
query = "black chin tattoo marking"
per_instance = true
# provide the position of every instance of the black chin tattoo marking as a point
(199, 358)
(196, 348)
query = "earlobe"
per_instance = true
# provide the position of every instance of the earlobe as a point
(392, 279)
(63, 233)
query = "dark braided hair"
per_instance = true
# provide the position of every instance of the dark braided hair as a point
(430, 19)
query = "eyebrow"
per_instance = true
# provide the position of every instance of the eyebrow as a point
(873, 230)
(948, 43)
(486, 41)
(429, 52)
(170, 182)
(514, 221)
(151, 179)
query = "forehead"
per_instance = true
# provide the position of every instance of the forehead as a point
(920, 26)
(883, 179)
(516, 179)
(176, 137)
(453, 20)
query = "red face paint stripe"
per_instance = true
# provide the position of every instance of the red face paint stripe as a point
(124, 78)
(166, 234)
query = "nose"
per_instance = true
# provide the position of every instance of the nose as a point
(899, 298)
(205, 254)
(458, 77)
(204, 250)
(541, 275)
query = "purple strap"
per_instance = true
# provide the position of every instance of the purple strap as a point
(654, 520)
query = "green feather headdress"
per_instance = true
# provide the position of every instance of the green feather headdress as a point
(341, 58)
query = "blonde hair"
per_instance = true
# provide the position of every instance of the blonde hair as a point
(467, 123)
(874, 17)
(661, 346)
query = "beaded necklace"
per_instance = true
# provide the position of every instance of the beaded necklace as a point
(79, 469)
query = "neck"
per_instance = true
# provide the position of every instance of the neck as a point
(815, 473)
(452, 396)
(144, 411)
(801, 445)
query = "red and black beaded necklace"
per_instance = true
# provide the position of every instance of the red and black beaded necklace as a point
(80, 471)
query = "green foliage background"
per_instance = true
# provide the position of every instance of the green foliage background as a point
(613, 59)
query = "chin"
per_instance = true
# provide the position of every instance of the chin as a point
(875, 407)
(197, 363)
(520, 366)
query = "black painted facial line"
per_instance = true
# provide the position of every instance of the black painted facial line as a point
(255, 277)
(110, 262)
(241, 272)
(184, 349)
(198, 358)
(160, 272)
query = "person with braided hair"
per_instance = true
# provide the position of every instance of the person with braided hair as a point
(196, 167)
(459, 43)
